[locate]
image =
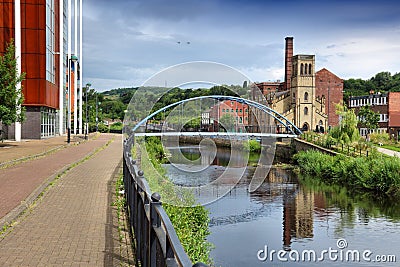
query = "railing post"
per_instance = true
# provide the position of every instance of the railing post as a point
(139, 219)
(154, 223)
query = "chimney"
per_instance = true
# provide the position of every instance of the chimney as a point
(288, 61)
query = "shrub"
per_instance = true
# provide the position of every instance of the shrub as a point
(379, 138)
(377, 173)
(252, 145)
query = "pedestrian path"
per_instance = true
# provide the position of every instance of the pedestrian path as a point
(14, 152)
(23, 182)
(68, 225)
(388, 152)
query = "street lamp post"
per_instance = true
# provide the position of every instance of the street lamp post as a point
(86, 111)
(97, 118)
(70, 60)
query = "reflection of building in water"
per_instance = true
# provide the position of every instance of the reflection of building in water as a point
(297, 216)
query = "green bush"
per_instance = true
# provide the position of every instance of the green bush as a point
(376, 173)
(252, 145)
(102, 128)
(377, 138)
(116, 126)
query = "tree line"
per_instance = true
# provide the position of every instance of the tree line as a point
(382, 82)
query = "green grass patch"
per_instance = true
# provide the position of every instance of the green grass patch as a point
(391, 147)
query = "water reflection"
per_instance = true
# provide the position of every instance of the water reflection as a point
(284, 213)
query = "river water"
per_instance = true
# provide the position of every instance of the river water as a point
(286, 222)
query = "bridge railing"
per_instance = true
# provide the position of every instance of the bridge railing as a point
(156, 241)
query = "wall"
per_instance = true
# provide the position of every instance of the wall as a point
(328, 83)
(301, 145)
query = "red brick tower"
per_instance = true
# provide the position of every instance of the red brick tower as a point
(288, 61)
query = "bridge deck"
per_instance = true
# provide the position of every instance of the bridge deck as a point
(219, 134)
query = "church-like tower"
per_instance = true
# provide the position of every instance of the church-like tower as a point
(302, 91)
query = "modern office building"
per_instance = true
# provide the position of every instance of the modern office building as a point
(47, 36)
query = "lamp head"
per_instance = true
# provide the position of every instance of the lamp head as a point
(74, 58)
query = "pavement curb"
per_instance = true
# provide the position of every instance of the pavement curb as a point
(11, 218)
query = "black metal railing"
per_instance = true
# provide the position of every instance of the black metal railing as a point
(156, 241)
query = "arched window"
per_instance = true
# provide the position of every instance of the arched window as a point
(305, 68)
(301, 69)
(306, 96)
(310, 69)
(306, 111)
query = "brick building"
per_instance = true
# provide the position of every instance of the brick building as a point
(329, 87)
(44, 50)
(307, 98)
(238, 111)
(386, 105)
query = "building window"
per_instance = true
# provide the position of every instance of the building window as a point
(50, 41)
(232, 110)
(240, 120)
(306, 96)
(310, 69)
(301, 69)
(305, 69)
(306, 111)
(240, 110)
(48, 122)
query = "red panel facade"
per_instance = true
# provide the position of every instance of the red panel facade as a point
(330, 86)
(6, 24)
(36, 90)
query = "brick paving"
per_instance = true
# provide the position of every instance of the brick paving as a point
(68, 226)
(18, 182)
(11, 151)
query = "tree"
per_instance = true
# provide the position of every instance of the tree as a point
(11, 97)
(368, 118)
(227, 121)
(347, 131)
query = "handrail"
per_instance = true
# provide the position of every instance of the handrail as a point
(157, 243)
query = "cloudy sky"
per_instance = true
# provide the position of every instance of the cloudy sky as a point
(126, 42)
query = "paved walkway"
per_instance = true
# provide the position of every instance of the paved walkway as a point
(19, 182)
(68, 226)
(388, 152)
(14, 151)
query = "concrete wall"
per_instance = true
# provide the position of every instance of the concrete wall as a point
(301, 145)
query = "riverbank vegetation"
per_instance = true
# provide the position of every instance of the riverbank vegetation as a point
(189, 220)
(252, 145)
(376, 173)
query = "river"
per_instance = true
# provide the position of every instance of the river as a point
(286, 222)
